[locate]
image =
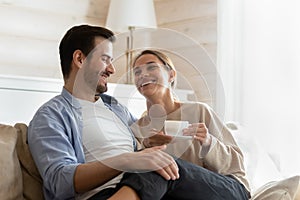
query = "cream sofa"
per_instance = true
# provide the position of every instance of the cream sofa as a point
(20, 179)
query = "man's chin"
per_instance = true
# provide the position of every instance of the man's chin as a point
(101, 89)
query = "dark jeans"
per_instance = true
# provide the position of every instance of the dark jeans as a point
(195, 183)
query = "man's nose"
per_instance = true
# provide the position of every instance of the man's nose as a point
(111, 68)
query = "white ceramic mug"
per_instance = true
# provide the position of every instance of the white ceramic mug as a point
(174, 127)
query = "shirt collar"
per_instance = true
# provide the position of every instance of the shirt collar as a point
(107, 99)
(70, 99)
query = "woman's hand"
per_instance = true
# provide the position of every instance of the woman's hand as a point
(200, 133)
(157, 139)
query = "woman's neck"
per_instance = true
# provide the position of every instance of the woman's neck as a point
(166, 101)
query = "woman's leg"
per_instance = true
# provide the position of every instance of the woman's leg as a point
(125, 192)
(148, 185)
(202, 184)
(122, 193)
(195, 182)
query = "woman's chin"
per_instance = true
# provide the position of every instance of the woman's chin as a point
(148, 91)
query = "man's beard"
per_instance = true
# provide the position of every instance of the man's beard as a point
(101, 89)
(92, 80)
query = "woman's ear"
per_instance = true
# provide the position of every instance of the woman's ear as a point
(78, 58)
(172, 75)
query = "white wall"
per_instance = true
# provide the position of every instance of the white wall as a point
(22, 96)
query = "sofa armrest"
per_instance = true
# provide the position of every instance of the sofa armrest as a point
(10, 172)
(32, 181)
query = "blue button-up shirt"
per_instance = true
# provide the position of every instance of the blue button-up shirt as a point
(54, 138)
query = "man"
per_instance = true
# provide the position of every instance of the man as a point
(60, 140)
(54, 134)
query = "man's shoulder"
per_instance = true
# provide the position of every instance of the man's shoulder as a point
(53, 102)
(53, 106)
(55, 110)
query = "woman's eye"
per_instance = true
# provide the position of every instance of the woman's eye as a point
(137, 72)
(152, 67)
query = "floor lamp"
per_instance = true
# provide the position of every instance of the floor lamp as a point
(127, 15)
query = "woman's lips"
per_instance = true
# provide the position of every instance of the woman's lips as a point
(146, 83)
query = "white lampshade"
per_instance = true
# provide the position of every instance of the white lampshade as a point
(123, 14)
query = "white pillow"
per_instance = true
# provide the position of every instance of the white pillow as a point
(260, 168)
(278, 190)
(266, 181)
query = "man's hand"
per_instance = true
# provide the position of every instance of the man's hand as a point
(150, 159)
(166, 164)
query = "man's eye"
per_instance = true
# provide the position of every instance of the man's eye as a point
(104, 59)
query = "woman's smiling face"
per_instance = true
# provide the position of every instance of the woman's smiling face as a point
(150, 74)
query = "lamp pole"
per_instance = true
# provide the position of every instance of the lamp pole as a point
(129, 55)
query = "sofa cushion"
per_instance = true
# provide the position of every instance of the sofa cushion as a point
(285, 189)
(32, 181)
(10, 171)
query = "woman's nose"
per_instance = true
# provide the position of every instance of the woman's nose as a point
(144, 72)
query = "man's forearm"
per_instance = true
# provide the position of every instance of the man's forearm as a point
(91, 175)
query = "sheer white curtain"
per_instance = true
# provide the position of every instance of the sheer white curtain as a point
(259, 64)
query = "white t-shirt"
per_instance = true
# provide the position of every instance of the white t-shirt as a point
(104, 135)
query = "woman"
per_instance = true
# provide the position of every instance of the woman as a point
(212, 146)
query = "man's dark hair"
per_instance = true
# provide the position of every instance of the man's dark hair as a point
(82, 38)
